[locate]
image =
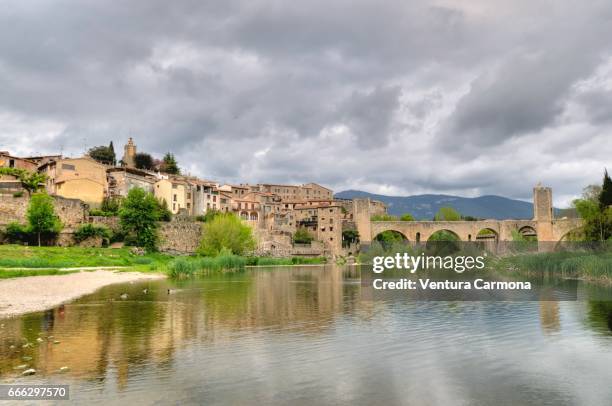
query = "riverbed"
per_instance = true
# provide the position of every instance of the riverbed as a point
(308, 335)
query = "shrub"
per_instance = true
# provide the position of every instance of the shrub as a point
(302, 236)
(92, 230)
(18, 194)
(383, 217)
(16, 232)
(226, 231)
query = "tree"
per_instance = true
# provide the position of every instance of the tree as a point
(302, 236)
(163, 212)
(605, 196)
(226, 231)
(102, 154)
(111, 148)
(596, 216)
(142, 160)
(170, 165)
(447, 214)
(138, 217)
(383, 217)
(406, 217)
(350, 236)
(41, 216)
(31, 181)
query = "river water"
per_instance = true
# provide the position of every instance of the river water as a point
(306, 335)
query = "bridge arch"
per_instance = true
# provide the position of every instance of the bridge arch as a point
(398, 234)
(529, 233)
(444, 235)
(487, 234)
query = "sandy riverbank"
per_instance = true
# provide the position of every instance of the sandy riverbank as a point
(37, 293)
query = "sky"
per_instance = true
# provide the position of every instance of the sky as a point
(392, 97)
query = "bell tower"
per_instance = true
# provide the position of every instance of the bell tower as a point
(129, 154)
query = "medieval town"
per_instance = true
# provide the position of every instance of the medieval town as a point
(275, 212)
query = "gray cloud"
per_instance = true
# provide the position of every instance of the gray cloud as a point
(443, 96)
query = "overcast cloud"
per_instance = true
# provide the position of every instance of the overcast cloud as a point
(391, 97)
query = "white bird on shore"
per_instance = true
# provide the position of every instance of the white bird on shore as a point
(124, 296)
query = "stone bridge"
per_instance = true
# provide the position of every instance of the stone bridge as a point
(500, 230)
(543, 225)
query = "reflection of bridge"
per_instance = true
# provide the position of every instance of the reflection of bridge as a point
(543, 226)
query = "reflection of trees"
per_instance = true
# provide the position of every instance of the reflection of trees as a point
(599, 316)
(102, 331)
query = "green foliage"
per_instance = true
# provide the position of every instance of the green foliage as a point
(16, 232)
(163, 212)
(31, 181)
(143, 160)
(41, 216)
(271, 261)
(447, 214)
(350, 236)
(102, 154)
(302, 236)
(169, 165)
(596, 215)
(407, 217)
(383, 217)
(18, 194)
(111, 204)
(391, 238)
(226, 231)
(139, 214)
(19, 273)
(575, 264)
(89, 230)
(208, 216)
(443, 235)
(605, 197)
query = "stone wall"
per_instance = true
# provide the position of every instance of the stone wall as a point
(111, 222)
(70, 211)
(179, 237)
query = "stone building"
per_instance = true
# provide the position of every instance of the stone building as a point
(9, 161)
(324, 222)
(123, 179)
(77, 178)
(308, 191)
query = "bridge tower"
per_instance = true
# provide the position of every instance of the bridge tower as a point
(361, 216)
(543, 212)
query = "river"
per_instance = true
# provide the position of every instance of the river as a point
(307, 335)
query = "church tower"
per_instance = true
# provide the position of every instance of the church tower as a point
(129, 154)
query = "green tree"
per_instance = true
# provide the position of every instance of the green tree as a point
(102, 154)
(142, 160)
(226, 231)
(138, 216)
(447, 214)
(169, 164)
(31, 181)
(302, 236)
(605, 196)
(41, 216)
(163, 212)
(407, 217)
(111, 148)
(350, 236)
(596, 216)
(383, 217)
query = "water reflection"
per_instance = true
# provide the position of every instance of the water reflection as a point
(306, 334)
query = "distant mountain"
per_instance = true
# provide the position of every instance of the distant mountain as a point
(424, 207)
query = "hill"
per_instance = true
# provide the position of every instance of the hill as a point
(424, 207)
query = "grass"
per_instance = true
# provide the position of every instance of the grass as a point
(189, 266)
(18, 256)
(48, 260)
(18, 273)
(577, 264)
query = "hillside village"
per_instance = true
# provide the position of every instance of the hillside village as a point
(275, 212)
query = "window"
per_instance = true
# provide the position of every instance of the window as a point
(69, 167)
(11, 163)
(188, 205)
(174, 186)
(174, 198)
(173, 206)
(214, 198)
(331, 229)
